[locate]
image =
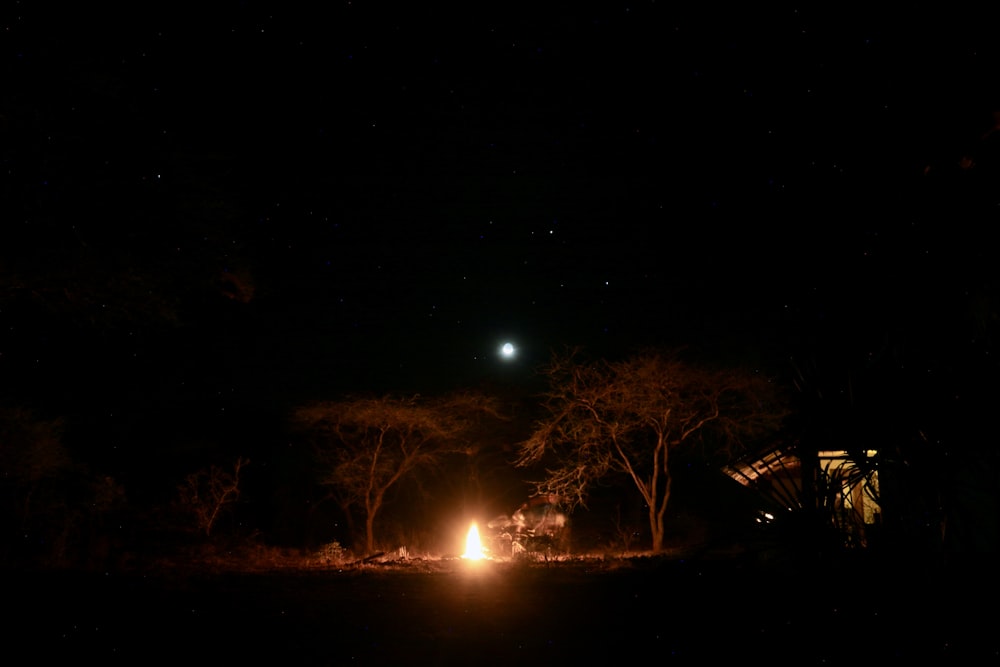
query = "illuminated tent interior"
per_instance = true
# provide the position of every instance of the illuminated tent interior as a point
(844, 485)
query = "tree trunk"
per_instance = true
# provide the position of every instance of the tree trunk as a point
(656, 528)
(371, 509)
(370, 533)
(657, 514)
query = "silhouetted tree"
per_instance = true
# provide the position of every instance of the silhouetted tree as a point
(367, 446)
(52, 507)
(628, 418)
(207, 493)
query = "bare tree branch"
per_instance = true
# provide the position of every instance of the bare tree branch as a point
(206, 493)
(367, 446)
(627, 417)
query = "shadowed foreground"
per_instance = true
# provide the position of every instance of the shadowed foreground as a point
(490, 613)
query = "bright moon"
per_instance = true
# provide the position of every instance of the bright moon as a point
(507, 350)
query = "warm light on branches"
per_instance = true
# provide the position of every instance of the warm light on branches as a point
(365, 447)
(628, 417)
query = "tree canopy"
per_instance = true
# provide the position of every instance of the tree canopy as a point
(367, 446)
(628, 417)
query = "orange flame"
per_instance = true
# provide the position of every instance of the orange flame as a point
(473, 546)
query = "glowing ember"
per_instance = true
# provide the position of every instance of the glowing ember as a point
(473, 547)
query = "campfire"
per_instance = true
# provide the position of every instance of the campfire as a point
(473, 545)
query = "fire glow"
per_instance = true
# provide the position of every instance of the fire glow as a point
(473, 545)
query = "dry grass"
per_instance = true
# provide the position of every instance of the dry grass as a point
(257, 558)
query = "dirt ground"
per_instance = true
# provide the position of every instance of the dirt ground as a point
(457, 612)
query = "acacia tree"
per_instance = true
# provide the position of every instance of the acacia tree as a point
(367, 446)
(52, 508)
(628, 417)
(206, 493)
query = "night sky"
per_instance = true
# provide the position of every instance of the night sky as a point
(211, 215)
